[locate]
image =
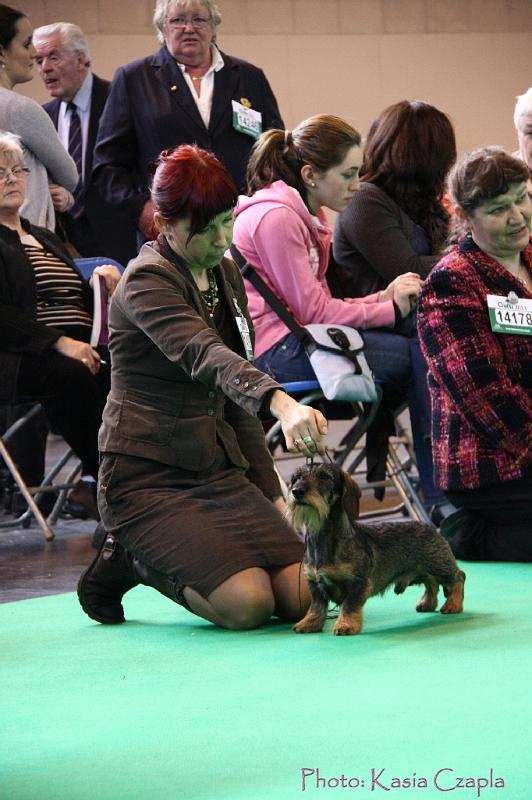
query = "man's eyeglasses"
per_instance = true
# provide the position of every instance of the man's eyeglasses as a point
(15, 172)
(181, 22)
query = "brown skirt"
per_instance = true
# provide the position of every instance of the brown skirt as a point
(199, 528)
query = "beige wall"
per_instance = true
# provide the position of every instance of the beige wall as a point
(347, 57)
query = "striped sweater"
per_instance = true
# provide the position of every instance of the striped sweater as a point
(480, 382)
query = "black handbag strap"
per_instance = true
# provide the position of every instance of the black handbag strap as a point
(248, 271)
(302, 335)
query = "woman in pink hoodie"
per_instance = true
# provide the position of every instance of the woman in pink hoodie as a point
(282, 231)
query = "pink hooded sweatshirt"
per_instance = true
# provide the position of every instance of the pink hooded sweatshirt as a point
(289, 248)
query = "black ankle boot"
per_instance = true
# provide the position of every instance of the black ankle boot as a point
(102, 586)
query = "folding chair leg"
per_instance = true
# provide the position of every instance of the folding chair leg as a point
(404, 487)
(17, 477)
(69, 483)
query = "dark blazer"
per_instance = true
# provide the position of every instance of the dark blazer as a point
(114, 235)
(20, 333)
(177, 389)
(151, 108)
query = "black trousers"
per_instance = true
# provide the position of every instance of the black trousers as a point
(73, 400)
(499, 527)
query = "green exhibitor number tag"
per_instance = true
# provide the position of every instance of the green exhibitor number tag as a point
(510, 314)
(246, 120)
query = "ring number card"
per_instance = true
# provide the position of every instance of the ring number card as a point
(246, 120)
(243, 329)
(510, 314)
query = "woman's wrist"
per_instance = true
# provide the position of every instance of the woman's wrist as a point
(279, 402)
(398, 314)
(59, 342)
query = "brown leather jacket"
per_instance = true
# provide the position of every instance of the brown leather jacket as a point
(176, 388)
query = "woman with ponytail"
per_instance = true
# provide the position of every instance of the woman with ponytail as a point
(282, 230)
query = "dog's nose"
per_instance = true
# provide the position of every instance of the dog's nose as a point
(298, 491)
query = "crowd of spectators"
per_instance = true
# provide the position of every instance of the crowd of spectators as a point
(180, 144)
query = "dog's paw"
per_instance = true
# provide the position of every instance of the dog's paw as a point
(455, 599)
(308, 627)
(342, 628)
(427, 605)
(452, 606)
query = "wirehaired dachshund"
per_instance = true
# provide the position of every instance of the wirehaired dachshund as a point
(347, 562)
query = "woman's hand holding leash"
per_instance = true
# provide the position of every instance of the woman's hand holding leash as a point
(304, 428)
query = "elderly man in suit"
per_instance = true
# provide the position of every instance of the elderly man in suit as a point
(189, 92)
(63, 59)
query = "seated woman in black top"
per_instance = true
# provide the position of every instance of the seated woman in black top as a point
(397, 222)
(45, 326)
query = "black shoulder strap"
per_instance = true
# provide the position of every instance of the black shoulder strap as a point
(248, 272)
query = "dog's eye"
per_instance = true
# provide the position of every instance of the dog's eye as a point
(297, 474)
(323, 475)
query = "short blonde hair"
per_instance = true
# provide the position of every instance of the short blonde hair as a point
(162, 8)
(11, 145)
(523, 106)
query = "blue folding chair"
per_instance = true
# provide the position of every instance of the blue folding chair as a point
(87, 265)
(32, 494)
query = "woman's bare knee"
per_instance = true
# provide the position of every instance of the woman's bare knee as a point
(251, 614)
(291, 593)
(245, 600)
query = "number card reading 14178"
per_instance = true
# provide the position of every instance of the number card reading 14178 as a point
(510, 314)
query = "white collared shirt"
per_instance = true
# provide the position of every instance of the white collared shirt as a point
(204, 100)
(82, 99)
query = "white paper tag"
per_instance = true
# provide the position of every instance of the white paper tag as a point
(510, 314)
(246, 120)
(243, 329)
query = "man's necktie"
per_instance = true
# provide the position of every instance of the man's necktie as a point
(75, 148)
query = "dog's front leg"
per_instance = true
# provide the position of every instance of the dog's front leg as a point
(349, 621)
(314, 619)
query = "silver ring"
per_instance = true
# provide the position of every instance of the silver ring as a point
(298, 442)
(308, 439)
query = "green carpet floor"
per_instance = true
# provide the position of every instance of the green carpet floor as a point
(168, 706)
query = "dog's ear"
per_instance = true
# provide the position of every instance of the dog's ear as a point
(350, 496)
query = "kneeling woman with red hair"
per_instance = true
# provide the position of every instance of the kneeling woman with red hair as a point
(187, 492)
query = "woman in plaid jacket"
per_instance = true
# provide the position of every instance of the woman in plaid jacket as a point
(480, 380)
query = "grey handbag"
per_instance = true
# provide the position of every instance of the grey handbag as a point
(335, 351)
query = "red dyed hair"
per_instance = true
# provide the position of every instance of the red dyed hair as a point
(191, 183)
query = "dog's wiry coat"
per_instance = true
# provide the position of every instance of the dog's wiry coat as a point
(347, 562)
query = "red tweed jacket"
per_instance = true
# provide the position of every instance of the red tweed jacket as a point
(480, 382)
